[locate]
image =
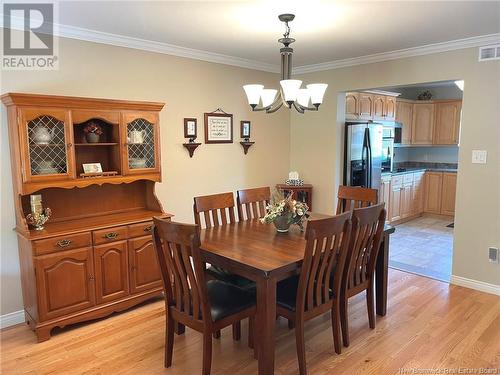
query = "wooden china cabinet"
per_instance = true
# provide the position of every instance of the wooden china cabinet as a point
(95, 256)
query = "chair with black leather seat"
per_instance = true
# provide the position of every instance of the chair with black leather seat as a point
(318, 287)
(213, 211)
(366, 237)
(252, 202)
(203, 306)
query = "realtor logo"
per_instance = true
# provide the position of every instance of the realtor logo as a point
(28, 37)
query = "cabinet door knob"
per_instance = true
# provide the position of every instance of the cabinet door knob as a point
(110, 235)
(63, 243)
(149, 228)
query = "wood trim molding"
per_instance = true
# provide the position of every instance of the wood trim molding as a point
(11, 319)
(73, 32)
(26, 99)
(475, 284)
(428, 49)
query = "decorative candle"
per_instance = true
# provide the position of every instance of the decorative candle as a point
(36, 203)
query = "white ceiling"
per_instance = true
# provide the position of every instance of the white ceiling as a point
(325, 30)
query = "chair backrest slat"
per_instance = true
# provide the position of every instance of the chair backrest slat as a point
(324, 260)
(177, 250)
(352, 197)
(211, 206)
(366, 237)
(252, 203)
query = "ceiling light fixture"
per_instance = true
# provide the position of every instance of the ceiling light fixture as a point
(290, 93)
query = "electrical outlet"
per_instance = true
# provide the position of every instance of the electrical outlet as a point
(479, 156)
(493, 254)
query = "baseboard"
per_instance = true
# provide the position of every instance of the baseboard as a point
(11, 319)
(477, 285)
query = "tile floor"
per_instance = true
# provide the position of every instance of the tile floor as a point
(423, 246)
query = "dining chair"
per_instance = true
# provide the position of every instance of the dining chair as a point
(318, 287)
(205, 306)
(252, 203)
(214, 211)
(351, 197)
(366, 237)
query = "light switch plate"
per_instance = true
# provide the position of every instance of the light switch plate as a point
(479, 156)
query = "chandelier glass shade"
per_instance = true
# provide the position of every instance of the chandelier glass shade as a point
(290, 93)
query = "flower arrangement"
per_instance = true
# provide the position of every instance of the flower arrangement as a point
(92, 127)
(38, 219)
(285, 211)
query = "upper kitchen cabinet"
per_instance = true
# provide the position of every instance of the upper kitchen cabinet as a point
(390, 108)
(423, 124)
(404, 115)
(46, 149)
(365, 109)
(447, 125)
(352, 105)
(370, 106)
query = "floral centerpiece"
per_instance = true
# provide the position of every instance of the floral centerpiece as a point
(285, 211)
(92, 132)
(38, 219)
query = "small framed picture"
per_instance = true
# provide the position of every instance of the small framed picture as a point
(245, 129)
(92, 168)
(190, 128)
(218, 128)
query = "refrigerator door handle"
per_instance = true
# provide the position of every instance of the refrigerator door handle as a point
(366, 162)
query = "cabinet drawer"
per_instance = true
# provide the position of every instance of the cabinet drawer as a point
(109, 235)
(71, 241)
(408, 179)
(140, 229)
(396, 182)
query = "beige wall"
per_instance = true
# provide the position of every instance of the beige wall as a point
(189, 88)
(316, 145)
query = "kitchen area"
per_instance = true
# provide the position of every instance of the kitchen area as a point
(404, 142)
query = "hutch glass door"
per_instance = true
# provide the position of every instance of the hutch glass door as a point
(141, 142)
(47, 144)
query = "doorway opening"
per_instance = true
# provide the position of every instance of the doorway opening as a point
(413, 165)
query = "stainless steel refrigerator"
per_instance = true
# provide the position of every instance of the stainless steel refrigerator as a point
(363, 154)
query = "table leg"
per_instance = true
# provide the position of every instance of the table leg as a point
(266, 320)
(381, 271)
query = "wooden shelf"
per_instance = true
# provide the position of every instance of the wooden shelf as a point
(96, 144)
(93, 223)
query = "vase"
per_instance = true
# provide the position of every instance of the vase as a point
(282, 224)
(92, 137)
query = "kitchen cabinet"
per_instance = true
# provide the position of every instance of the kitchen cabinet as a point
(351, 105)
(433, 190)
(390, 108)
(379, 107)
(407, 196)
(447, 124)
(448, 193)
(365, 109)
(418, 193)
(385, 193)
(395, 198)
(404, 115)
(423, 124)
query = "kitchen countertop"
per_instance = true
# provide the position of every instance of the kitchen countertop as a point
(412, 170)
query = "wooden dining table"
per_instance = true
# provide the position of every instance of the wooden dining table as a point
(258, 252)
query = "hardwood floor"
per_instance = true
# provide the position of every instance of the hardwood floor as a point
(429, 325)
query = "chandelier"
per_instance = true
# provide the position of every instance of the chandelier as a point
(290, 93)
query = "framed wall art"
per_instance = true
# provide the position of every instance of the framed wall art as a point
(218, 127)
(190, 128)
(245, 129)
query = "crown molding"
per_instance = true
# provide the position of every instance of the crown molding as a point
(402, 53)
(73, 32)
